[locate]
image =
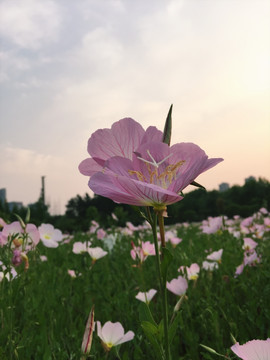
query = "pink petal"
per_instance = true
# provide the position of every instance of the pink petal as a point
(253, 350)
(112, 332)
(196, 162)
(128, 191)
(13, 228)
(152, 134)
(89, 166)
(121, 140)
(127, 337)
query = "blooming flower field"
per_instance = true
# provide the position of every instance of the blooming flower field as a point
(218, 288)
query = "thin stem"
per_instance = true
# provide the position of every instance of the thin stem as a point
(162, 284)
(161, 228)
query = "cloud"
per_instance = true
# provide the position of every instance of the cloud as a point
(29, 23)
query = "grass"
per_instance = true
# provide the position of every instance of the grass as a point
(44, 310)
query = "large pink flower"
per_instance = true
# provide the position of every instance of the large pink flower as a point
(139, 169)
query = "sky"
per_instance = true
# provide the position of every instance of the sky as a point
(68, 68)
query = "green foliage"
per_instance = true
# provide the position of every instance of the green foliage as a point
(44, 311)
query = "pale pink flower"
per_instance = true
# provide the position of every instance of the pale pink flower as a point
(263, 210)
(96, 253)
(50, 236)
(101, 234)
(146, 296)
(30, 234)
(212, 225)
(192, 271)
(175, 241)
(80, 247)
(127, 231)
(215, 256)
(43, 258)
(8, 275)
(133, 166)
(143, 251)
(171, 236)
(112, 334)
(249, 244)
(246, 223)
(131, 226)
(148, 248)
(239, 270)
(178, 286)
(253, 350)
(206, 265)
(3, 239)
(71, 273)
(94, 226)
(252, 259)
(114, 217)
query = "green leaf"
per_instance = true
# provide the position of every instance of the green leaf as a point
(161, 330)
(145, 314)
(166, 260)
(151, 332)
(167, 132)
(194, 183)
(138, 210)
(212, 351)
(27, 216)
(21, 221)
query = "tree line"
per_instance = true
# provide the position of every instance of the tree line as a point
(197, 205)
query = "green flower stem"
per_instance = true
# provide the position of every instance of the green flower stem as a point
(162, 283)
(161, 228)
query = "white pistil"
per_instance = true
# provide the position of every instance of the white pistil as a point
(153, 162)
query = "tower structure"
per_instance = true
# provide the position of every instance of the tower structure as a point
(42, 193)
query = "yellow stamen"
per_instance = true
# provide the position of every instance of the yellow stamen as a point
(139, 175)
(165, 178)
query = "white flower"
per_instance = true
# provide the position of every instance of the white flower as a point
(112, 334)
(96, 253)
(79, 247)
(206, 265)
(50, 236)
(215, 256)
(146, 296)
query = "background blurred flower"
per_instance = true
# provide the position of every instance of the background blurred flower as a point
(50, 236)
(146, 296)
(215, 256)
(80, 247)
(30, 235)
(96, 253)
(71, 273)
(178, 286)
(206, 265)
(112, 334)
(192, 271)
(101, 234)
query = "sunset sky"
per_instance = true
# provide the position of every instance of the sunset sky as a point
(71, 67)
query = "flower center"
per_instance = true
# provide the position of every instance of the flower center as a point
(163, 179)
